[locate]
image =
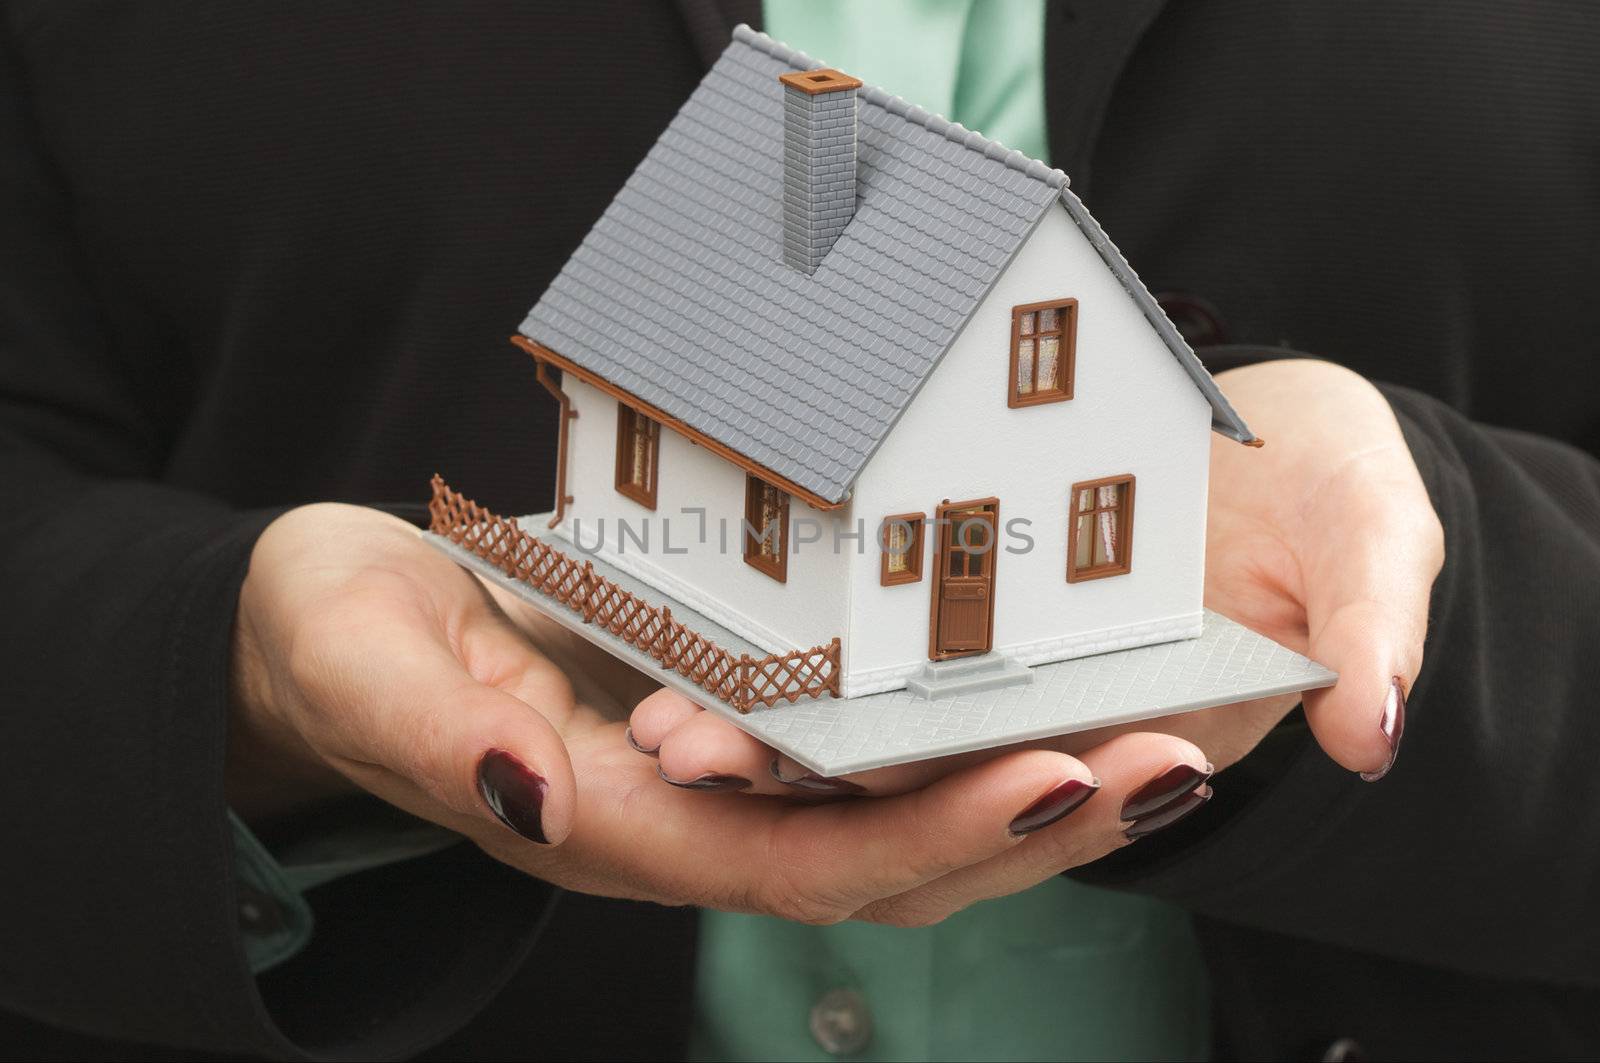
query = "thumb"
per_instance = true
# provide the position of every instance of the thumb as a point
(429, 732)
(1367, 616)
(1360, 720)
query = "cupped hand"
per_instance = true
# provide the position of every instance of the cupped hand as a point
(366, 660)
(1323, 540)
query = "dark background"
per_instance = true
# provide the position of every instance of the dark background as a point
(257, 255)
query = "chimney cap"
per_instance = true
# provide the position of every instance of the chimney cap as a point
(816, 82)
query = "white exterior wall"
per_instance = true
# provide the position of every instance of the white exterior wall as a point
(711, 576)
(1134, 411)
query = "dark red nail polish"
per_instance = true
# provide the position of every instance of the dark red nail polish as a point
(813, 783)
(1393, 725)
(1170, 786)
(634, 743)
(1166, 817)
(514, 793)
(1054, 805)
(710, 782)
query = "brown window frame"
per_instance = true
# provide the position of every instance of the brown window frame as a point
(628, 420)
(914, 550)
(1121, 568)
(1066, 358)
(777, 567)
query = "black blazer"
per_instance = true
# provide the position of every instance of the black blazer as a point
(252, 256)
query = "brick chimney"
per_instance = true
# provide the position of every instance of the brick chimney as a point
(819, 163)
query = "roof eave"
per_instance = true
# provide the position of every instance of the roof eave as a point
(1225, 420)
(655, 413)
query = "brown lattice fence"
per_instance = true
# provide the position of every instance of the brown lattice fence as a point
(743, 681)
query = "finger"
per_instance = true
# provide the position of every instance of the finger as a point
(1146, 780)
(843, 856)
(706, 749)
(815, 863)
(1376, 550)
(706, 752)
(655, 717)
(900, 778)
(1361, 719)
(881, 782)
(397, 697)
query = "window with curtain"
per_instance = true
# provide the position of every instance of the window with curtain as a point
(766, 528)
(638, 460)
(1043, 352)
(1100, 532)
(901, 539)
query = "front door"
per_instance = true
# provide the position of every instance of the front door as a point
(963, 582)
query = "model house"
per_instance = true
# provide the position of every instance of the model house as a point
(837, 367)
(871, 441)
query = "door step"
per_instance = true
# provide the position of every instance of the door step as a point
(968, 675)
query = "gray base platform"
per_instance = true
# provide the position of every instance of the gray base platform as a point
(834, 736)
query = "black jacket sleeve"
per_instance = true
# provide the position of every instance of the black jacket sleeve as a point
(1494, 791)
(118, 914)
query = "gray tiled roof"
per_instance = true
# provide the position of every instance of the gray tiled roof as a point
(679, 294)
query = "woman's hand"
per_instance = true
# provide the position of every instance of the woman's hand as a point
(1323, 540)
(365, 659)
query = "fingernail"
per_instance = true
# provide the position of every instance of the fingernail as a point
(1166, 788)
(709, 782)
(813, 783)
(514, 793)
(1054, 805)
(634, 742)
(1393, 725)
(1169, 815)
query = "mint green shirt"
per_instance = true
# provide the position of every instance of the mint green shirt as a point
(977, 62)
(1062, 971)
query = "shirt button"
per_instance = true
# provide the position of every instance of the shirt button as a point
(841, 1022)
(258, 913)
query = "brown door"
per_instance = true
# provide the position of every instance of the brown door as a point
(963, 584)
